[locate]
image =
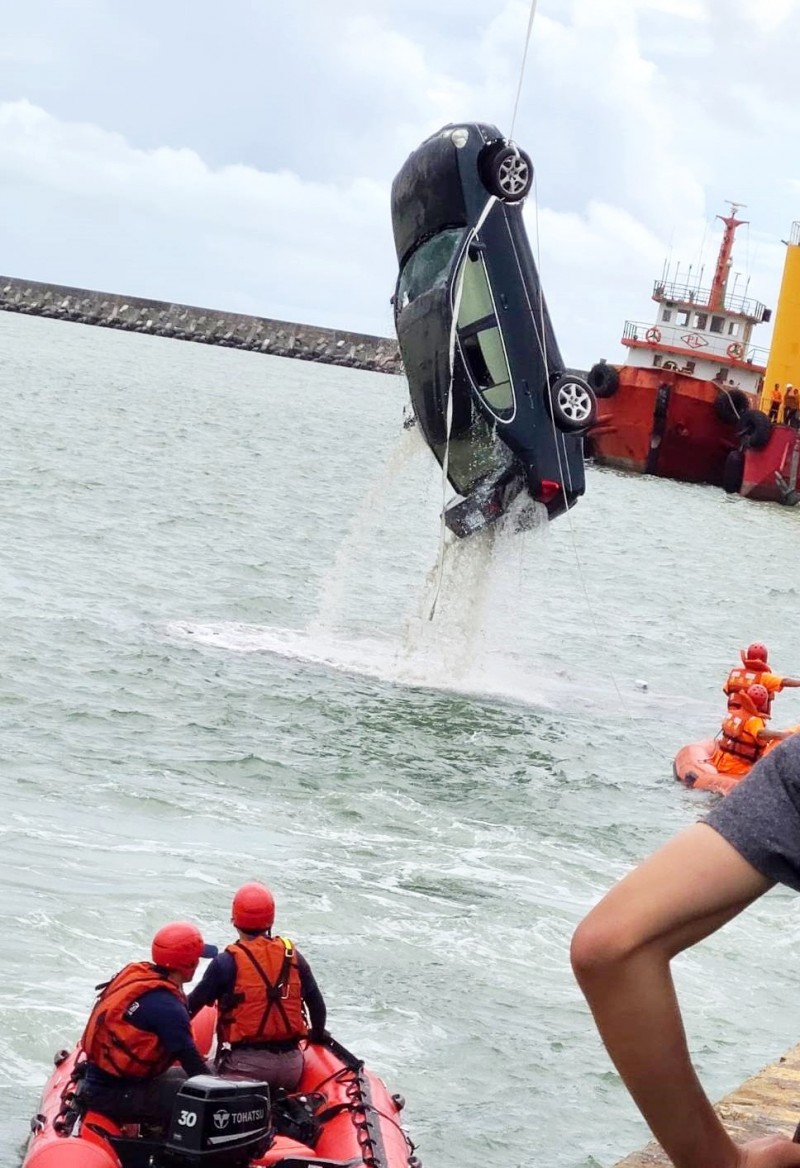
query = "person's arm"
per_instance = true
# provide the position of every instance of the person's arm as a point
(773, 735)
(314, 1001)
(790, 682)
(621, 956)
(217, 980)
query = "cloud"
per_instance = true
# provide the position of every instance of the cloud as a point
(80, 205)
(144, 153)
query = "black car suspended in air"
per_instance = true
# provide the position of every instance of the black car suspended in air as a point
(487, 381)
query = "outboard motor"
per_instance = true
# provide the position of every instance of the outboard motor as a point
(218, 1123)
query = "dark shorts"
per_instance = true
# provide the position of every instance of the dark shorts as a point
(761, 816)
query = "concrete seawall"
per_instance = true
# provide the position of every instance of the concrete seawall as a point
(205, 325)
(768, 1104)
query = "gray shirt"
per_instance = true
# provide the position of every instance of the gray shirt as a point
(761, 815)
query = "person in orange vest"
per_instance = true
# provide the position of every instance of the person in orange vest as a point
(744, 733)
(755, 670)
(791, 404)
(775, 402)
(268, 1000)
(139, 1026)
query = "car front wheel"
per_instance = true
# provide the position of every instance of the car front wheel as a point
(573, 405)
(507, 173)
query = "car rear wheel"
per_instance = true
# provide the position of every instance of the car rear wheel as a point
(573, 405)
(507, 173)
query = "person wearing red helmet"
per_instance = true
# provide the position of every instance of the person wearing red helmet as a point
(744, 733)
(267, 997)
(622, 953)
(139, 1026)
(755, 670)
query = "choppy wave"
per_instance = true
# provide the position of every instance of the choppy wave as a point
(219, 666)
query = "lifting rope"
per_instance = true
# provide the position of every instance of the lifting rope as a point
(522, 66)
(538, 310)
(456, 307)
(449, 410)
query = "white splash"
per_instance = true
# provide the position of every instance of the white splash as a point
(356, 543)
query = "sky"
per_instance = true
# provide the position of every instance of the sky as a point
(239, 155)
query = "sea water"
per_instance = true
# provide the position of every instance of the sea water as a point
(219, 665)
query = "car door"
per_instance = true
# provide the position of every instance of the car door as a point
(480, 340)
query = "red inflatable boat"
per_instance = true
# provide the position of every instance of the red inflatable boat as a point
(341, 1115)
(693, 766)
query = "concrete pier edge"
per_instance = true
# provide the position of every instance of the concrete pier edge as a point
(767, 1104)
(207, 326)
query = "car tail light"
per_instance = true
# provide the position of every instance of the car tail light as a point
(549, 489)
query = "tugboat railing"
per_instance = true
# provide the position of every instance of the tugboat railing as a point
(706, 346)
(692, 294)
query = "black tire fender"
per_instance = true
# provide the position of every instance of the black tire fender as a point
(733, 472)
(603, 379)
(730, 404)
(754, 429)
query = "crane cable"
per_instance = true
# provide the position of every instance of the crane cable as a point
(565, 477)
(456, 306)
(522, 66)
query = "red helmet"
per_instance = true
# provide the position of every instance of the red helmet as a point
(179, 946)
(253, 908)
(757, 652)
(759, 696)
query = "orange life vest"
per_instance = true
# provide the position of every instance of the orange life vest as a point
(738, 735)
(740, 679)
(113, 1043)
(266, 1004)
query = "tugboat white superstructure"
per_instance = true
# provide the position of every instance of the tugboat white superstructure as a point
(686, 395)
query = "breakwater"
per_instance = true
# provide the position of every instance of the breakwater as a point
(767, 1104)
(207, 326)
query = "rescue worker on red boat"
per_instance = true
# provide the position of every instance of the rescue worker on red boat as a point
(755, 670)
(266, 994)
(139, 1027)
(744, 733)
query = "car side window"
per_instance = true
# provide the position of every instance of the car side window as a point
(481, 342)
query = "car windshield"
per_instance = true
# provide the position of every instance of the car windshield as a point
(428, 266)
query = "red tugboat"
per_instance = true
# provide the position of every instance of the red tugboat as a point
(683, 406)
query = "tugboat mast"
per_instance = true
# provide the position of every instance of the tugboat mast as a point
(719, 285)
(703, 332)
